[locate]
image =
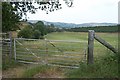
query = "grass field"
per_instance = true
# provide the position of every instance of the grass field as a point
(99, 49)
(105, 61)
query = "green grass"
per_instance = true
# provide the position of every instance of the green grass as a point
(44, 70)
(30, 72)
(60, 47)
(104, 67)
(7, 63)
(105, 64)
(66, 36)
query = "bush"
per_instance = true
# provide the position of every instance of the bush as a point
(41, 37)
(105, 67)
(27, 32)
(7, 63)
(36, 34)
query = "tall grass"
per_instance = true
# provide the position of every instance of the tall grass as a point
(104, 67)
(43, 71)
(30, 72)
(7, 63)
(105, 62)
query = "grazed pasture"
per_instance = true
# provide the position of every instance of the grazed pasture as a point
(35, 47)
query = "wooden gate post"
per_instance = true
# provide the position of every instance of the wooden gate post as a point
(15, 49)
(10, 44)
(90, 59)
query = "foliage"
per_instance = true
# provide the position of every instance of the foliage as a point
(40, 27)
(43, 71)
(12, 12)
(10, 19)
(50, 28)
(104, 67)
(36, 34)
(36, 31)
(97, 29)
(32, 71)
(46, 5)
(53, 28)
(7, 63)
(106, 63)
(27, 32)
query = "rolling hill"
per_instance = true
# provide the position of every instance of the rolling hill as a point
(72, 25)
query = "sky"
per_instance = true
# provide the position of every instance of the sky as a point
(119, 13)
(82, 11)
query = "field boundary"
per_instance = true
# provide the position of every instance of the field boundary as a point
(51, 44)
(91, 37)
(6, 44)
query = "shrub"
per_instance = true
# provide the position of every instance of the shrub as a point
(36, 34)
(105, 67)
(27, 32)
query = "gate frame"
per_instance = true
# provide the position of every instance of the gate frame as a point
(15, 52)
(91, 37)
(90, 50)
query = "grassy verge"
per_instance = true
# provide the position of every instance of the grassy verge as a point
(42, 71)
(7, 63)
(34, 70)
(105, 67)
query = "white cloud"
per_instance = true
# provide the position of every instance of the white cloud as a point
(82, 11)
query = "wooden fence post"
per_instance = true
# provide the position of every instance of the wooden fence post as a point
(15, 49)
(90, 59)
(10, 43)
(46, 46)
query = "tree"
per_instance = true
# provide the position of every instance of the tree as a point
(37, 31)
(50, 28)
(12, 12)
(9, 17)
(40, 27)
(36, 34)
(45, 5)
(27, 32)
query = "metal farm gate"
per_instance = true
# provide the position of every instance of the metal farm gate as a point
(60, 53)
(6, 46)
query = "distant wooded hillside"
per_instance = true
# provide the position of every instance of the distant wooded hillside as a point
(97, 29)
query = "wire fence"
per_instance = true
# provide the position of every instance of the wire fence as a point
(61, 53)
